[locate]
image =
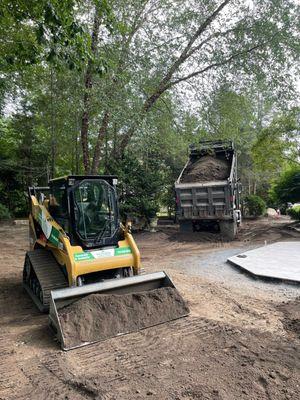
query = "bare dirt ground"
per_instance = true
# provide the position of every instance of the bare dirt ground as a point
(241, 340)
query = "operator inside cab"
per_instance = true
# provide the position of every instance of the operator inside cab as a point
(86, 210)
(94, 209)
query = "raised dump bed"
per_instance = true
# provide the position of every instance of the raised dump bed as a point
(207, 189)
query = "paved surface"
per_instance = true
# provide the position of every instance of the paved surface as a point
(279, 260)
(215, 268)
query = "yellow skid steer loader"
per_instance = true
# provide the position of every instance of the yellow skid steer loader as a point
(79, 249)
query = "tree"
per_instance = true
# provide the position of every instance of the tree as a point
(215, 42)
(277, 144)
(287, 187)
(34, 31)
(141, 183)
(88, 82)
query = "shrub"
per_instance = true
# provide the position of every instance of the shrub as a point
(4, 212)
(255, 205)
(294, 213)
(286, 188)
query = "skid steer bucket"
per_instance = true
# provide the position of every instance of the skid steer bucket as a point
(91, 313)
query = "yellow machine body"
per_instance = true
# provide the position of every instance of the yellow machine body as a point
(77, 261)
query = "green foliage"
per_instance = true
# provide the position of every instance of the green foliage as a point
(255, 205)
(46, 30)
(46, 50)
(231, 116)
(294, 213)
(12, 189)
(286, 188)
(23, 161)
(4, 212)
(276, 145)
(140, 187)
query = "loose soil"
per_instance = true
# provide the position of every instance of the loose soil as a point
(207, 168)
(101, 316)
(291, 320)
(237, 342)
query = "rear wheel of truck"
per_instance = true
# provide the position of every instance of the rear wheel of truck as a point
(186, 226)
(228, 229)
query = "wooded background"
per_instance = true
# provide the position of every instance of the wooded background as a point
(123, 87)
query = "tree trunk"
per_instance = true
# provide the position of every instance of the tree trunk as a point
(88, 84)
(101, 136)
(84, 134)
(115, 132)
(53, 133)
(77, 150)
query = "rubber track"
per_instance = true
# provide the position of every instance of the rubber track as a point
(48, 273)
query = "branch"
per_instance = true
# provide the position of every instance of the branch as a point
(137, 23)
(217, 64)
(183, 56)
(290, 159)
(158, 46)
(214, 35)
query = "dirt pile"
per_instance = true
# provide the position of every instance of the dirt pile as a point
(291, 312)
(100, 316)
(207, 168)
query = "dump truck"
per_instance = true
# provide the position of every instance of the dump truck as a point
(208, 189)
(83, 258)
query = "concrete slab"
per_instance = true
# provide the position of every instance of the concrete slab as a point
(279, 260)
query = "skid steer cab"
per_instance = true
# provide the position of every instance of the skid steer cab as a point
(75, 232)
(78, 248)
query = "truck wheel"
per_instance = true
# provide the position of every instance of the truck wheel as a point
(228, 229)
(186, 226)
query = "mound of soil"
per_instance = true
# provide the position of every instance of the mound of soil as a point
(100, 316)
(207, 168)
(291, 320)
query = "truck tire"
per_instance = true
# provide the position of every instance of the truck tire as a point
(228, 229)
(186, 226)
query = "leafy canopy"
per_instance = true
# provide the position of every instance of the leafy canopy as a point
(287, 187)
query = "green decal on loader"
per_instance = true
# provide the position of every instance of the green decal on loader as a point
(83, 256)
(54, 235)
(92, 255)
(122, 250)
(51, 233)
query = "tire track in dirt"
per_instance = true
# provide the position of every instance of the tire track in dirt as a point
(130, 352)
(11, 378)
(6, 374)
(125, 355)
(47, 379)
